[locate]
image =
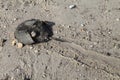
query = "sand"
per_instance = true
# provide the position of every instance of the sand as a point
(91, 28)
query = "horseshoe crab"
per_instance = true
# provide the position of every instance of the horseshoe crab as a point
(33, 31)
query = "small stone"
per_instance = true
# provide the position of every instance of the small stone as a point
(4, 26)
(44, 75)
(15, 19)
(108, 54)
(109, 32)
(82, 25)
(19, 45)
(31, 47)
(68, 26)
(83, 65)
(118, 19)
(36, 51)
(6, 9)
(72, 6)
(48, 52)
(14, 42)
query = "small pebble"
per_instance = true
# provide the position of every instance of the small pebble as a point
(118, 19)
(14, 42)
(44, 75)
(68, 26)
(83, 65)
(19, 45)
(91, 46)
(6, 9)
(15, 19)
(4, 26)
(48, 52)
(108, 54)
(109, 32)
(72, 6)
(82, 25)
(31, 47)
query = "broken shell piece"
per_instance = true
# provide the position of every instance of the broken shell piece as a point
(19, 45)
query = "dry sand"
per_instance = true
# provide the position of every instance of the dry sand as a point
(92, 27)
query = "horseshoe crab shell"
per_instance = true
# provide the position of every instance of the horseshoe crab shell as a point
(33, 31)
